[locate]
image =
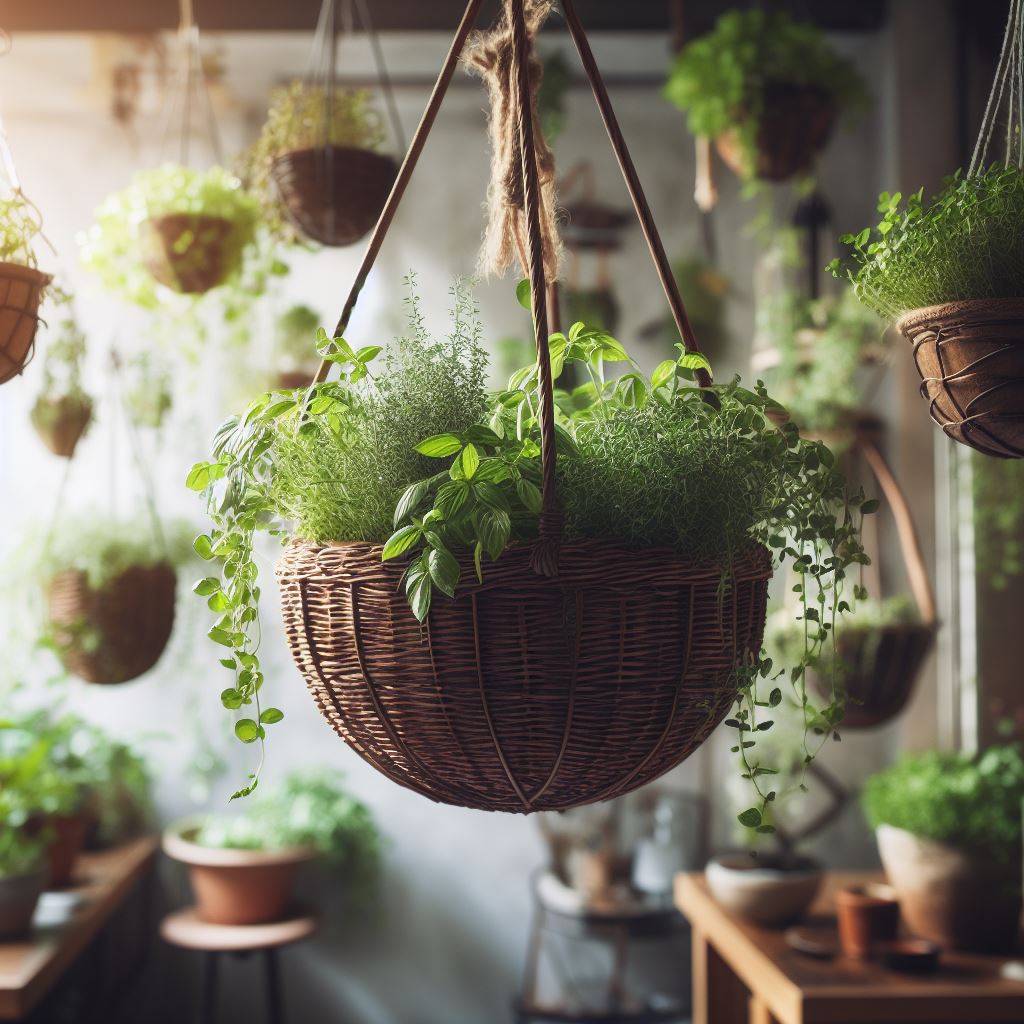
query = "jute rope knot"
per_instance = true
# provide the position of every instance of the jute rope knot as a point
(490, 55)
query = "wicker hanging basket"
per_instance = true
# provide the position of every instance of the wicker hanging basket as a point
(525, 693)
(21, 290)
(61, 422)
(117, 632)
(189, 252)
(577, 671)
(970, 356)
(334, 196)
(795, 124)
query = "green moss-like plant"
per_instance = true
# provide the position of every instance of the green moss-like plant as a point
(295, 337)
(20, 226)
(964, 243)
(720, 79)
(970, 802)
(62, 392)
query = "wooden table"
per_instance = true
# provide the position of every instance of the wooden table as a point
(30, 968)
(743, 974)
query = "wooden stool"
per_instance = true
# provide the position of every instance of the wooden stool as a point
(185, 928)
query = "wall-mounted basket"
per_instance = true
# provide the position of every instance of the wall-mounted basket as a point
(116, 632)
(576, 671)
(21, 290)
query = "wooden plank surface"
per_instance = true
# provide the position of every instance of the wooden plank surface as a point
(795, 989)
(30, 968)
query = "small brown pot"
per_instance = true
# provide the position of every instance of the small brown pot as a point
(796, 122)
(961, 899)
(21, 289)
(189, 252)
(287, 380)
(335, 194)
(61, 422)
(868, 915)
(19, 895)
(69, 832)
(237, 887)
(970, 356)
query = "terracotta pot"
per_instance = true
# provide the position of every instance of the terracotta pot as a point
(796, 122)
(19, 895)
(237, 887)
(61, 422)
(762, 889)
(868, 915)
(21, 289)
(959, 898)
(69, 832)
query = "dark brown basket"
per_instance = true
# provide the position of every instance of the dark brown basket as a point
(60, 422)
(878, 669)
(21, 290)
(334, 202)
(970, 356)
(189, 252)
(117, 632)
(796, 122)
(527, 692)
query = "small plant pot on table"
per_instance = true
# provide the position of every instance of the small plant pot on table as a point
(19, 895)
(772, 891)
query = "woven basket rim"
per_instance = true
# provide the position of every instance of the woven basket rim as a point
(162, 565)
(348, 152)
(178, 844)
(915, 318)
(30, 274)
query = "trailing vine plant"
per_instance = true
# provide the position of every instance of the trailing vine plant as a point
(407, 450)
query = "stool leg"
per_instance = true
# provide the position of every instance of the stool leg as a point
(208, 1003)
(275, 1014)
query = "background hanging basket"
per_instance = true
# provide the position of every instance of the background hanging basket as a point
(60, 422)
(116, 632)
(527, 692)
(795, 124)
(189, 252)
(21, 290)
(334, 201)
(970, 356)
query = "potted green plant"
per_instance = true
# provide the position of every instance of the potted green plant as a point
(22, 284)
(295, 352)
(242, 867)
(186, 230)
(317, 158)
(110, 594)
(380, 473)
(949, 834)
(767, 89)
(22, 867)
(949, 271)
(63, 410)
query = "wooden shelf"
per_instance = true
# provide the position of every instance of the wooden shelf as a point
(30, 968)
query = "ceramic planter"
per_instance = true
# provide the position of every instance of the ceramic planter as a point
(19, 895)
(236, 887)
(21, 289)
(61, 422)
(961, 899)
(762, 890)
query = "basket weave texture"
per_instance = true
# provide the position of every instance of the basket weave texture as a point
(334, 202)
(970, 356)
(796, 122)
(116, 632)
(189, 252)
(60, 422)
(524, 693)
(21, 290)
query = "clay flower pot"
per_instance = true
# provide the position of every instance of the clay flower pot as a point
(764, 890)
(68, 835)
(61, 422)
(868, 916)
(236, 887)
(21, 289)
(19, 895)
(335, 194)
(961, 899)
(189, 252)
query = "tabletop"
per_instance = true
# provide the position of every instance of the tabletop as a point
(29, 968)
(745, 974)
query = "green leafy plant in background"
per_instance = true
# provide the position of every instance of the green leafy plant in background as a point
(964, 243)
(720, 79)
(415, 455)
(307, 116)
(295, 337)
(307, 809)
(62, 389)
(823, 347)
(551, 95)
(970, 802)
(21, 225)
(147, 393)
(998, 486)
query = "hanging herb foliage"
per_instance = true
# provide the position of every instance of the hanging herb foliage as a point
(767, 88)
(998, 521)
(63, 410)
